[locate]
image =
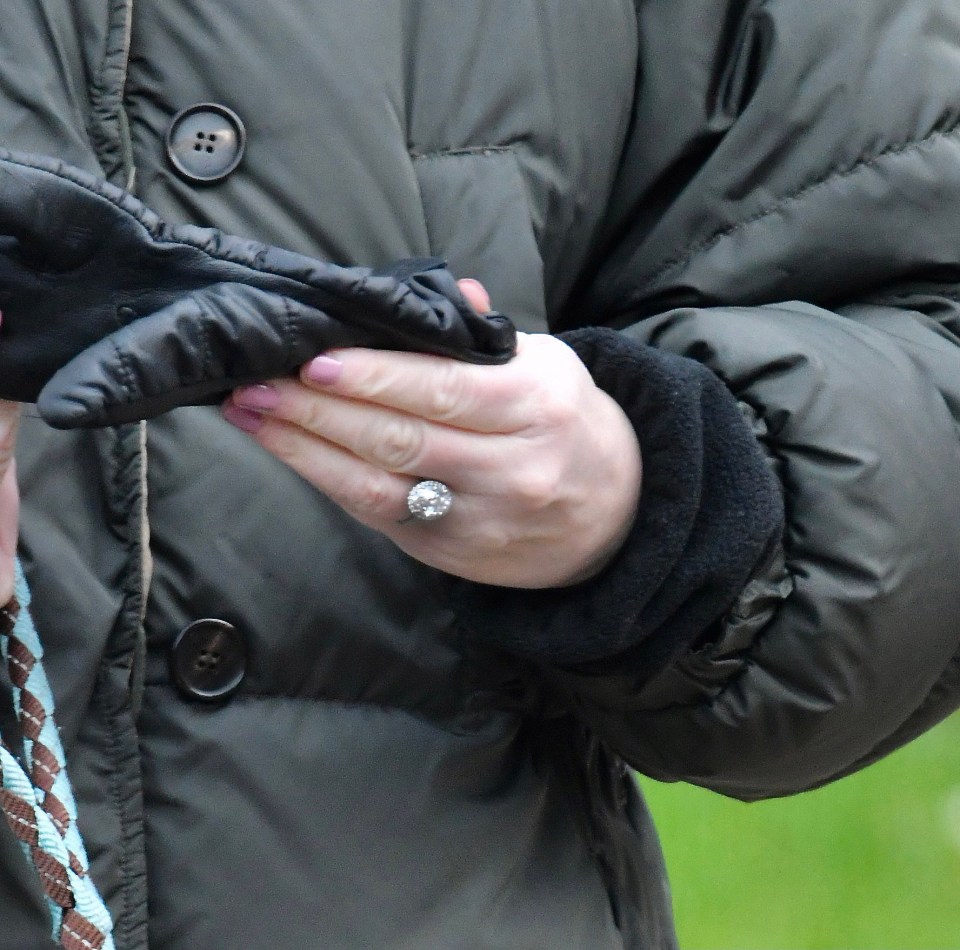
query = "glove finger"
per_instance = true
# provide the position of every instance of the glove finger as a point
(433, 306)
(191, 352)
(197, 349)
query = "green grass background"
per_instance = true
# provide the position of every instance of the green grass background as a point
(869, 863)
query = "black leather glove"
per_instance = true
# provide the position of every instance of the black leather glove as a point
(110, 315)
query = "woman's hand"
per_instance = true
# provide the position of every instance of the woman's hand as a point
(9, 499)
(544, 467)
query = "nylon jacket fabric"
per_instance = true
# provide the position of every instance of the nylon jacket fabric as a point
(769, 189)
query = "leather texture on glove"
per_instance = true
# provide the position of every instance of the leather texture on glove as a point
(111, 315)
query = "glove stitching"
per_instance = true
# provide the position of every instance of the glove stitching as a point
(292, 326)
(127, 376)
(206, 349)
(867, 160)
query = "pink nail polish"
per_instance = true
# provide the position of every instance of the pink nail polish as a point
(260, 397)
(477, 296)
(323, 370)
(243, 418)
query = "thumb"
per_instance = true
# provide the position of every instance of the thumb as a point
(476, 294)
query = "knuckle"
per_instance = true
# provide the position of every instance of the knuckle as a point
(557, 409)
(287, 450)
(313, 415)
(446, 396)
(536, 488)
(549, 403)
(370, 497)
(365, 380)
(400, 443)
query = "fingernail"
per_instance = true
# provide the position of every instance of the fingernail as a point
(242, 418)
(323, 370)
(261, 397)
(476, 294)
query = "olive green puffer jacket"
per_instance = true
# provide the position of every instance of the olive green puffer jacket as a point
(770, 189)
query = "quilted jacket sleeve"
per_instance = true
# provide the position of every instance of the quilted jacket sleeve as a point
(848, 645)
(786, 216)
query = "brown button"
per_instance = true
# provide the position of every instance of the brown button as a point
(205, 142)
(208, 660)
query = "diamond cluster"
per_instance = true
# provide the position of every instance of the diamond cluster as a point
(429, 500)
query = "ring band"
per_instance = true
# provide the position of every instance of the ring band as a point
(429, 500)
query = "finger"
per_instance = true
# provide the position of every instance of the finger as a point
(9, 500)
(445, 400)
(9, 420)
(371, 495)
(465, 395)
(389, 440)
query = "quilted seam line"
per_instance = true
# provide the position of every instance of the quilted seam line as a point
(830, 176)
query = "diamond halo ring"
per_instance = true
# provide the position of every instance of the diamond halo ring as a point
(429, 500)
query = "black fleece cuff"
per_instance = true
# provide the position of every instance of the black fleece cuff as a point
(710, 512)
